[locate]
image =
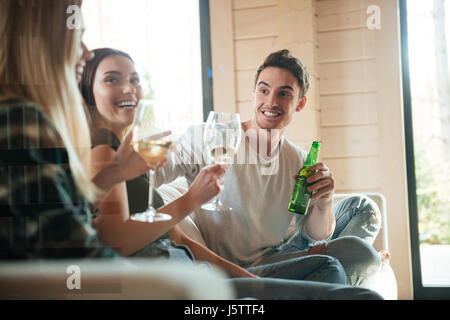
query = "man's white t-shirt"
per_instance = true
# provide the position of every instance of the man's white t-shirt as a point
(257, 191)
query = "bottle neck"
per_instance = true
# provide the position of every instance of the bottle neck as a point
(313, 155)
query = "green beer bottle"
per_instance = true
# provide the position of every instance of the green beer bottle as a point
(301, 197)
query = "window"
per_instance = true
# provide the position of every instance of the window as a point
(425, 27)
(164, 39)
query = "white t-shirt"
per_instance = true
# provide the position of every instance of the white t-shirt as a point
(257, 191)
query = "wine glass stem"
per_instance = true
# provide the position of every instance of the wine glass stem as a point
(151, 210)
(221, 185)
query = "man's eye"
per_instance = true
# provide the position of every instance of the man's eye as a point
(135, 81)
(285, 94)
(263, 91)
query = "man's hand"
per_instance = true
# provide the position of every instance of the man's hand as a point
(322, 182)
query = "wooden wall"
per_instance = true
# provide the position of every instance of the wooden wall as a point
(354, 103)
(348, 94)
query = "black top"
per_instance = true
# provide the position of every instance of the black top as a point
(137, 189)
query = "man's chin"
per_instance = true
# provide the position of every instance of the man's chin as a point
(269, 125)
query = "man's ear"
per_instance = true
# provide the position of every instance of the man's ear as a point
(301, 104)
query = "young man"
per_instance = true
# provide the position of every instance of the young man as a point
(255, 233)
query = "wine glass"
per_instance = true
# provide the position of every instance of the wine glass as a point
(153, 144)
(221, 139)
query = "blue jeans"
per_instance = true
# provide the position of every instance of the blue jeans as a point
(318, 268)
(357, 224)
(315, 277)
(282, 289)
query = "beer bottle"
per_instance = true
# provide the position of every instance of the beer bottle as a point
(301, 197)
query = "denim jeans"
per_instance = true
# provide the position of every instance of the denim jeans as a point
(315, 277)
(358, 221)
(318, 268)
(282, 289)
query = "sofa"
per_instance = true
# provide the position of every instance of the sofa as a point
(144, 279)
(106, 279)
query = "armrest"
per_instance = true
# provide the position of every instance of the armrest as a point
(111, 279)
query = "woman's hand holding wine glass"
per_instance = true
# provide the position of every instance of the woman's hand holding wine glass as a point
(153, 144)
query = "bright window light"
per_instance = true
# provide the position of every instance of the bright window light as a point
(163, 38)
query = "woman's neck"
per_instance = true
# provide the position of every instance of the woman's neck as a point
(118, 131)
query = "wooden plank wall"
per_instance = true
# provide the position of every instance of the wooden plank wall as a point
(348, 89)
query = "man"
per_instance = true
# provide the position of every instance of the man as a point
(255, 233)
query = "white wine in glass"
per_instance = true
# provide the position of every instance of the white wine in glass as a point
(154, 151)
(153, 144)
(221, 139)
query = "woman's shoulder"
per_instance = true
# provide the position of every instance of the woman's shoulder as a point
(25, 125)
(102, 136)
(11, 107)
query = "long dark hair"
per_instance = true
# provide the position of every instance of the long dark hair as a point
(87, 81)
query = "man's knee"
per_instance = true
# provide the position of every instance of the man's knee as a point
(355, 252)
(328, 269)
(365, 209)
(359, 259)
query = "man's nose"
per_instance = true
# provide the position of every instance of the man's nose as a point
(272, 100)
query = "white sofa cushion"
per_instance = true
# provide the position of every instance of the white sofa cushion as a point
(111, 279)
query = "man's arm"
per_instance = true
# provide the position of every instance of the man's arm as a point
(321, 221)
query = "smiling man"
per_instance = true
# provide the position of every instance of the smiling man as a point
(259, 230)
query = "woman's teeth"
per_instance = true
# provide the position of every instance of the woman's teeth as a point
(127, 104)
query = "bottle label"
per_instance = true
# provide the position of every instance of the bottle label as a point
(300, 183)
(305, 200)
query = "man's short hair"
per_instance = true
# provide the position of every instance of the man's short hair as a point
(284, 60)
